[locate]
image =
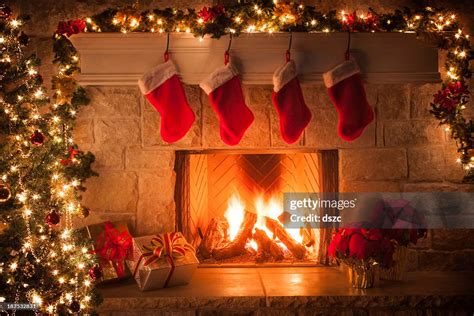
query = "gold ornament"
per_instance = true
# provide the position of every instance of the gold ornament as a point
(5, 193)
(65, 87)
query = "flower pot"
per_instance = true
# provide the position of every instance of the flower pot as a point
(362, 277)
(397, 271)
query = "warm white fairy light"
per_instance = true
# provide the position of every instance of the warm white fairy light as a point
(15, 23)
(13, 266)
(37, 299)
(38, 94)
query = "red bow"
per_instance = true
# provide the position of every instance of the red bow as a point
(115, 246)
(169, 245)
(72, 154)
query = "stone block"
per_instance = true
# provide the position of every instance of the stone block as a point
(452, 239)
(114, 102)
(437, 187)
(407, 133)
(117, 131)
(393, 102)
(156, 206)
(316, 96)
(426, 164)
(258, 99)
(454, 172)
(370, 186)
(83, 132)
(161, 161)
(433, 260)
(108, 156)
(112, 191)
(421, 95)
(322, 132)
(373, 164)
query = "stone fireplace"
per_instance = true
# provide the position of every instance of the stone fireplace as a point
(229, 203)
(403, 150)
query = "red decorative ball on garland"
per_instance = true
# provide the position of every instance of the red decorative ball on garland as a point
(52, 218)
(5, 12)
(37, 138)
(95, 272)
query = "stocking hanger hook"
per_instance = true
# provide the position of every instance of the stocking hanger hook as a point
(167, 55)
(227, 52)
(348, 54)
(288, 53)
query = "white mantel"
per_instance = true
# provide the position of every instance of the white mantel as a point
(120, 59)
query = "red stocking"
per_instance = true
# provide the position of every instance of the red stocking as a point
(288, 100)
(164, 91)
(227, 101)
(347, 92)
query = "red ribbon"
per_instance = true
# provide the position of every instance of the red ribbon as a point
(168, 245)
(114, 246)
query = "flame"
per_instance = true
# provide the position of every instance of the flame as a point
(270, 208)
(252, 244)
(234, 215)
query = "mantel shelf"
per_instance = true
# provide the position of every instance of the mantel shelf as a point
(121, 59)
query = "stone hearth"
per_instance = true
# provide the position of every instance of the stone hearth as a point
(294, 291)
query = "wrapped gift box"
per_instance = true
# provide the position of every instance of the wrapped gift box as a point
(113, 246)
(164, 260)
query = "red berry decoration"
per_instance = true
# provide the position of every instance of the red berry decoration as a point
(37, 138)
(52, 218)
(95, 272)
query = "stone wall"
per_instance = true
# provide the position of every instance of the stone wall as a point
(403, 150)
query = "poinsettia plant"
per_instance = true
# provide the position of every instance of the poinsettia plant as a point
(363, 247)
(399, 220)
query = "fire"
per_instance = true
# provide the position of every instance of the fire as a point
(265, 208)
(234, 215)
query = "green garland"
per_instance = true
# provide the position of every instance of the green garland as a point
(274, 16)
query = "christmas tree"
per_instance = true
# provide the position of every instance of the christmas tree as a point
(43, 259)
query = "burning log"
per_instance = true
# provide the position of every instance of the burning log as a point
(279, 231)
(266, 246)
(237, 246)
(216, 234)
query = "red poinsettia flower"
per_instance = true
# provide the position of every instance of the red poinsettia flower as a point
(71, 27)
(456, 88)
(450, 97)
(358, 246)
(210, 13)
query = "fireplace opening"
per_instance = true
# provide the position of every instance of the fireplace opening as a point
(229, 205)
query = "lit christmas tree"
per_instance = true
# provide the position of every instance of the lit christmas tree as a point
(43, 259)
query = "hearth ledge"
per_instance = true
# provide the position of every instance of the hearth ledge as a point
(292, 289)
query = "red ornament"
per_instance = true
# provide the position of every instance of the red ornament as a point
(71, 27)
(95, 272)
(52, 218)
(37, 138)
(209, 14)
(5, 12)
